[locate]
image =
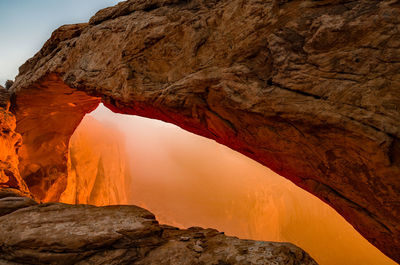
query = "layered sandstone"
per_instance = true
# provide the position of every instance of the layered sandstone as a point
(56, 233)
(307, 88)
(43, 159)
(10, 142)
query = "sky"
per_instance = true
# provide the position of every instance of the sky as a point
(25, 25)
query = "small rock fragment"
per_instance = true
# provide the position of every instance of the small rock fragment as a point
(9, 84)
(185, 238)
(198, 248)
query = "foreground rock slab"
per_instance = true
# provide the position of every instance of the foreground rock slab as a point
(11, 204)
(56, 233)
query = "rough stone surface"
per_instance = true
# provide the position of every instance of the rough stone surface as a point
(4, 99)
(307, 88)
(11, 204)
(43, 159)
(9, 84)
(10, 141)
(10, 192)
(83, 234)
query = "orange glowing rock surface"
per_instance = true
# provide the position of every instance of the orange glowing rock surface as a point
(187, 180)
(97, 172)
(10, 142)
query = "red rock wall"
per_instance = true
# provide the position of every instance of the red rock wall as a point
(47, 117)
(10, 142)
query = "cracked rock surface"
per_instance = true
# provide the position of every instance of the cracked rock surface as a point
(10, 142)
(56, 233)
(307, 88)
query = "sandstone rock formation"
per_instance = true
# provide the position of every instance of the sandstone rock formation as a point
(97, 172)
(11, 204)
(10, 141)
(307, 88)
(56, 233)
(9, 84)
(43, 160)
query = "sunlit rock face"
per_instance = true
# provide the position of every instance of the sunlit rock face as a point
(43, 156)
(10, 142)
(97, 171)
(307, 88)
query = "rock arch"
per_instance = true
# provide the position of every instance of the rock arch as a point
(296, 85)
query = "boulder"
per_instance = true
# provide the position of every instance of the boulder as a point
(56, 233)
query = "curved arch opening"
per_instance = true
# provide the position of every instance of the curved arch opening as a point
(49, 111)
(188, 180)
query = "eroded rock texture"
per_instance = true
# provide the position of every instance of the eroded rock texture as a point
(56, 233)
(307, 88)
(47, 117)
(10, 141)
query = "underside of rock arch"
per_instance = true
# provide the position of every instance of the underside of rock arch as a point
(308, 88)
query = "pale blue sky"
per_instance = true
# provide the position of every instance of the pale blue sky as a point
(26, 24)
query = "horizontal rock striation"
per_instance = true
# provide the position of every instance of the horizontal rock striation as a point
(307, 88)
(56, 233)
